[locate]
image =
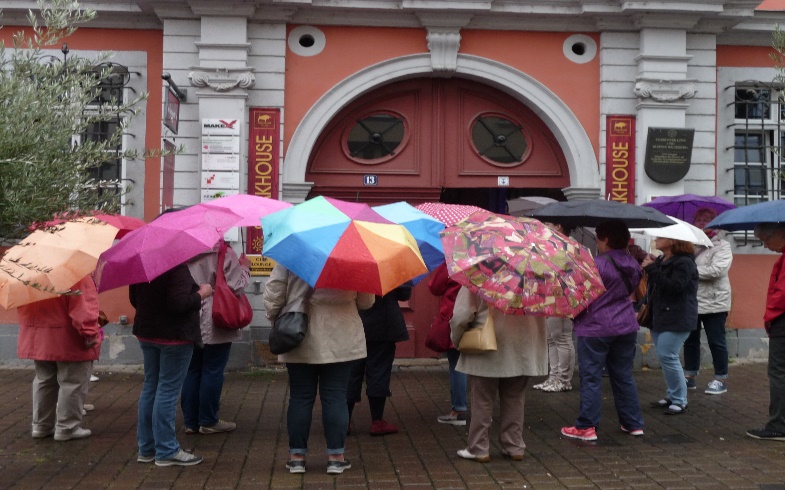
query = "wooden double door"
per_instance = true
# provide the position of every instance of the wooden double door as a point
(448, 140)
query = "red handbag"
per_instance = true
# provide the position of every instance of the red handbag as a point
(229, 311)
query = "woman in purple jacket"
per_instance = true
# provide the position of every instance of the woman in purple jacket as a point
(607, 334)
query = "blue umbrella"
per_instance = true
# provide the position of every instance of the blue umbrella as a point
(746, 217)
(424, 228)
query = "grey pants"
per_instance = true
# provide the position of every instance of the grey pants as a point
(561, 349)
(776, 383)
(59, 391)
(512, 397)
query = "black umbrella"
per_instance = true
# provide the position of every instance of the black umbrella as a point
(592, 213)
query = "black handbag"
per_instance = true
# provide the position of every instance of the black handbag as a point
(288, 331)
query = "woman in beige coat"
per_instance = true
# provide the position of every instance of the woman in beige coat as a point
(321, 362)
(522, 352)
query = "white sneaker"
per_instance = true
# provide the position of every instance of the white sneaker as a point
(182, 458)
(78, 433)
(93, 377)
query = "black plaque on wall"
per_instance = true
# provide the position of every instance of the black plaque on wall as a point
(668, 154)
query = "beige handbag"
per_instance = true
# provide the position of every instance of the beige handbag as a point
(479, 339)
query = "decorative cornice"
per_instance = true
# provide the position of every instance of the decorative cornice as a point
(664, 90)
(222, 79)
(443, 43)
(581, 193)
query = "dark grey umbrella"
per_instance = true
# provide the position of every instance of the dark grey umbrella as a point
(592, 213)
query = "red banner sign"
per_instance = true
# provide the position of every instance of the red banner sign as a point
(263, 153)
(620, 158)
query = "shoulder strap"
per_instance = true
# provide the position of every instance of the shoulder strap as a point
(623, 276)
(219, 270)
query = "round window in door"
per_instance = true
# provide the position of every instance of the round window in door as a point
(500, 140)
(376, 138)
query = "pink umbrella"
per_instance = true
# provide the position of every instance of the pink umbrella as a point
(449, 214)
(175, 237)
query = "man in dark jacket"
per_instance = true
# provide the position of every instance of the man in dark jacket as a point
(384, 325)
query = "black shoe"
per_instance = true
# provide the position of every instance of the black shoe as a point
(766, 434)
(664, 403)
(338, 467)
(296, 466)
(675, 409)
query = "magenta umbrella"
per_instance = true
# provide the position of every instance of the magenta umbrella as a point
(174, 238)
(684, 206)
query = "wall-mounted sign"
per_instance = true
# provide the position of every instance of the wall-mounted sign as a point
(171, 111)
(221, 180)
(264, 140)
(167, 184)
(220, 144)
(620, 158)
(230, 127)
(668, 154)
(503, 181)
(225, 162)
(370, 179)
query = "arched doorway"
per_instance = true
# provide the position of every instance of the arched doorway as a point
(430, 139)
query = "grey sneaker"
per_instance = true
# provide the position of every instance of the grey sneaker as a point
(691, 383)
(452, 418)
(182, 458)
(296, 465)
(338, 467)
(716, 387)
(78, 433)
(766, 434)
(220, 426)
(140, 458)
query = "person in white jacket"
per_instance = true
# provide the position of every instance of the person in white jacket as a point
(714, 301)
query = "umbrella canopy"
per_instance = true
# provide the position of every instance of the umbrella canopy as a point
(124, 224)
(520, 206)
(520, 266)
(680, 231)
(248, 208)
(51, 260)
(592, 213)
(449, 214)
(684, 206)
(173, 238)
(341, 245)
(746, 217)
(423, 228)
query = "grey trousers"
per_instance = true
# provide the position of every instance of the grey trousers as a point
(512, 397)
(776, 383)
(561, 348)
(59, 391)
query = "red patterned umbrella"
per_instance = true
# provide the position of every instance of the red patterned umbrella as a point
(520, 266)
(449, 214)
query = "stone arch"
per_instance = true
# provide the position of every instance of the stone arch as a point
(575, 143)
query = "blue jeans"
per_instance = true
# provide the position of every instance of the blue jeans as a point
(331, 381)
(714, 325)
(618, 354)
(458, 382)
(201, 397)
(668, 345)
(164, 371)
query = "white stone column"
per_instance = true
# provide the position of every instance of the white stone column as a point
(663, 90)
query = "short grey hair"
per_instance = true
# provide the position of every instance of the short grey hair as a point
(768, 229)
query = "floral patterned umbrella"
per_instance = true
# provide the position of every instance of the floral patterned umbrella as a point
(520, 266)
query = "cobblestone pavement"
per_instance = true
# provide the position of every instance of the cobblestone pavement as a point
(704, 448)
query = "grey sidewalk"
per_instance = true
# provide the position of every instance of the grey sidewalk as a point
(704, 448)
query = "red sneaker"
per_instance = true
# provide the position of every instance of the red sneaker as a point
(588, 434)
(382, 427)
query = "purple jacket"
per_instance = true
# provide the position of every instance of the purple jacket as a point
(612, 313)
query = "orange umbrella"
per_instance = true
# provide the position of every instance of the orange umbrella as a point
(51, 260)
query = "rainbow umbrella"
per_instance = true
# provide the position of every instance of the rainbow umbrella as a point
(342, 245)
(424, 228)
(520, 266)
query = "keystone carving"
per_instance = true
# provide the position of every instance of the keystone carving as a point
(443, 44)
(222, 80)
(665, 90)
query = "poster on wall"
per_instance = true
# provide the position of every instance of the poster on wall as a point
(620, 158)
(263, 153)
(220, 162)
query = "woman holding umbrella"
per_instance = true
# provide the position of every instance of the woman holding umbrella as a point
(522, 353)
(673, 301)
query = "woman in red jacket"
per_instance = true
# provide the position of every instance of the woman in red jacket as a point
(440, 284)
(63, 338)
